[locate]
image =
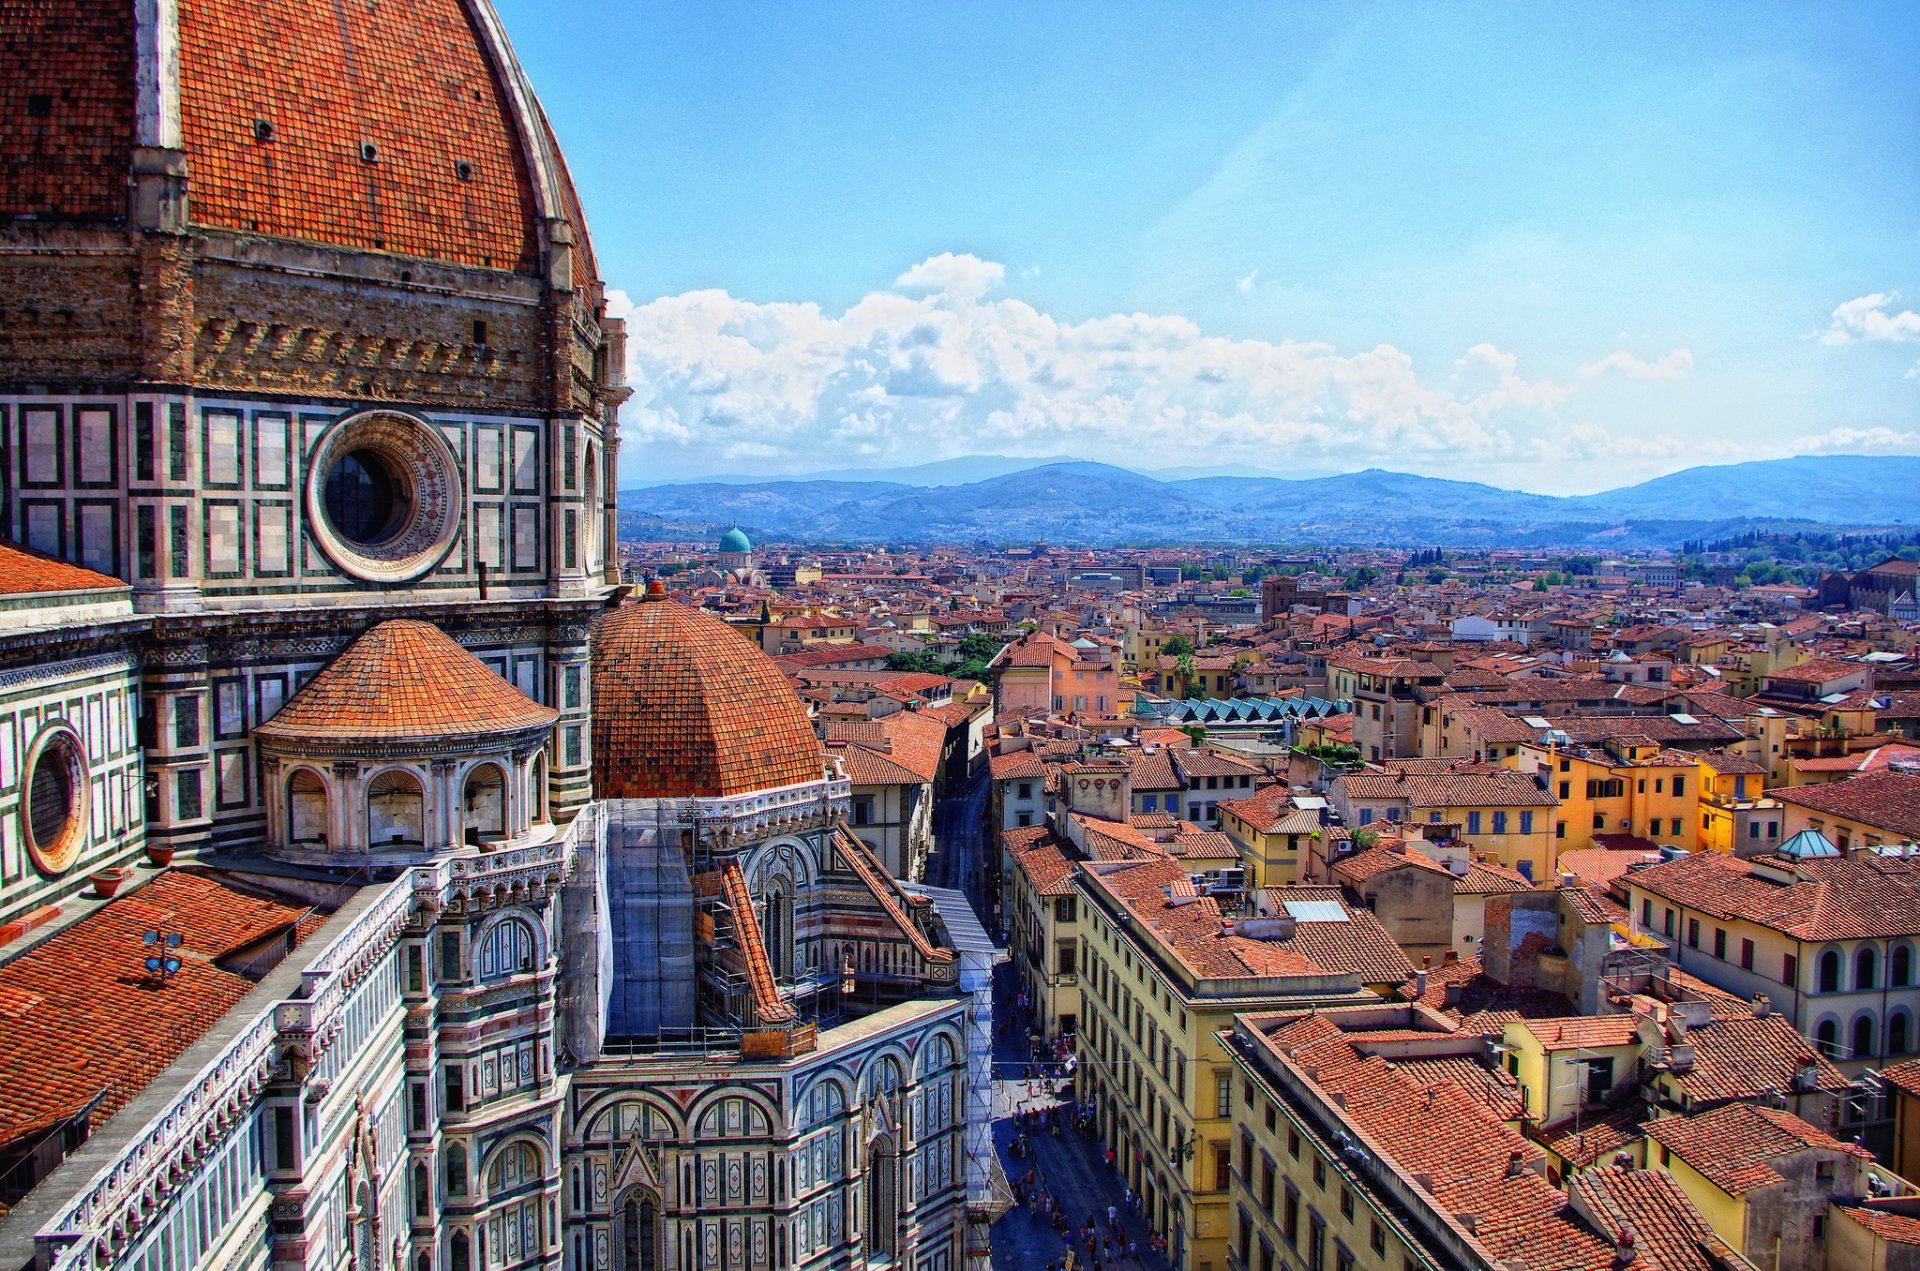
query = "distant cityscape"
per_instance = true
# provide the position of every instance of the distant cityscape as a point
(434, 838)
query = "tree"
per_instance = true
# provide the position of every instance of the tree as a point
(1184, 668)
(1177, 646)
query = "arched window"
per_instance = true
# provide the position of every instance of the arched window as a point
(306, 809)
(396, 812)
(423, 1261)
(1826, 1035)
(1830, 972)
(456, 1170)
(511, 1234)
(1863, 1037)
(485, 804)
(591, 516)
(1864, 966)
(640, 1234)
(1900, 965)
(538, 788)
(508, 949)
(1897, 1042)
(422, 1197)
(459, 1251)
(777, 926)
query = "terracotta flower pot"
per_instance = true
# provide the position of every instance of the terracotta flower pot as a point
(160, 856)
(107, 881)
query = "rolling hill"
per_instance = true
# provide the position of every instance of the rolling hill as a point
(1098, 504)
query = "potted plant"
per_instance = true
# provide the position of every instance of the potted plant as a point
(107, 881)
(160, 854)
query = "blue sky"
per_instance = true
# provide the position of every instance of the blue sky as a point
(1554, 247)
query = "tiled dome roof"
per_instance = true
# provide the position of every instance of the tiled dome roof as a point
(685, 705)
(405, 680)
(735, 540)
(404, 128)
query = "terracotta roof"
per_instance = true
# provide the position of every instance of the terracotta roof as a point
(885, 890)
(1042, 858)
(73, 160)
(80, 1017)
(1859, 897)
(23, 570)
(1736, 1056)
(1735, 1146)
(1017, 765)
(1500, 788)
(1452, 1144)
(769, 1007)
(685, 705)
(417, 81)
(1894, 1228)
(1579, 1032)
(1890, 800)
(1669, 1233)
(405, 680)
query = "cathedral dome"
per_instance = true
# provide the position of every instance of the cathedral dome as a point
(405, 681)
(684, 705)
(407, 129)
(735, 540)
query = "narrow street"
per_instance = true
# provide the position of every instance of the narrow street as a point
(1068, 1165)
(958, 858)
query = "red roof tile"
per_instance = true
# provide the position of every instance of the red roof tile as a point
(685, 705)
(23, 570)
(415, 80)
(80, 1017)
(405, 680)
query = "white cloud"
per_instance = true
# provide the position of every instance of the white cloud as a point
(1673, 366)
(1871, 317)
(619, 303)
(1859, 441)
(961, 275)
(935, 368)
(1246, 284)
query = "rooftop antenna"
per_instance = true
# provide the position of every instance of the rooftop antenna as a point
(162, 961)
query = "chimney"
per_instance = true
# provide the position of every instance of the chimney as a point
(1516, 1163)
(1762, 1006)
(1420, 982)
(1623, 1253)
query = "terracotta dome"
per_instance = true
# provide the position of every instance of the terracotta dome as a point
(405, 681)
(401, 128)
(684, 705)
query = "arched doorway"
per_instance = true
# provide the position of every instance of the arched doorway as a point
(484, 805)
(307, 820)
(396, 811)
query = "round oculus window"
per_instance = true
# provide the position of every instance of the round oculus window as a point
(384, 496)
(54, 812)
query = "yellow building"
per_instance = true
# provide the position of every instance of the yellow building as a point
(1630, 786)
(1500, 812)
(1165, 974)
(1358, 1144)
(1271, 834)
(1043, 929)
(1564, 1065)
(1736, 816)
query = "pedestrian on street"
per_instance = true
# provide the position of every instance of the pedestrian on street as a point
(1113, 1217)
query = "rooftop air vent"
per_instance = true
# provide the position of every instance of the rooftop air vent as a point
(463, 170)
(369, 153)
(263, 130)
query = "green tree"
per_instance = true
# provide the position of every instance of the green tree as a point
(1177, 646)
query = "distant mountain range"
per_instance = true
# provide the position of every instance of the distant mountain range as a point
(1096, 504)
(970, 468)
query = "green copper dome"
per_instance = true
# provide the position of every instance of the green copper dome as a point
(735, 541)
